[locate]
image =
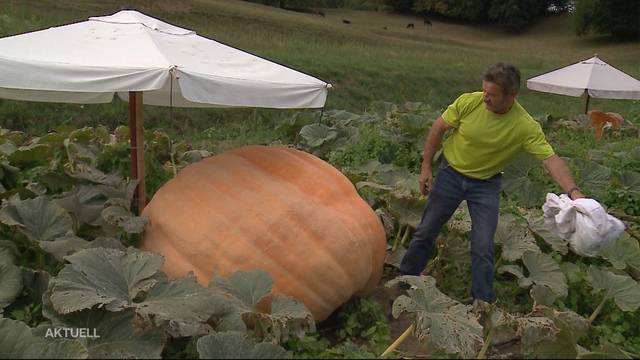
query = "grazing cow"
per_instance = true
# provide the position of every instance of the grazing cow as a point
(321, 13)
(385, 28)
(409, 25)
(346, 21)
(427, 22)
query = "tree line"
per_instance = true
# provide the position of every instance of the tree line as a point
(619, 19)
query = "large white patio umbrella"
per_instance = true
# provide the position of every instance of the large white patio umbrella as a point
(592, 77)
(132, 54)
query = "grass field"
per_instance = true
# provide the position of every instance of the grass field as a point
(363, 60)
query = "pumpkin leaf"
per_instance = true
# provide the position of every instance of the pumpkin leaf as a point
(18, 342)
(236, 345)
(606, 351)
(543, 270)
(569, 328)
(10, 283)
(537, 225)
(69, 244)
(315, 135)
(248, 286)
(90, 174)
(593, 178)
(85, 203)
(124, 219)
(623, 252)
(408, 210)
(621, 288)
(116, 333)
(440, 320)
(514, 237)
(8, 252)
(182, 302)
(63, 246)
(542, 295)
(288, 316)
(30, 155)
(519, 182)
(39, 219)
(104, 277)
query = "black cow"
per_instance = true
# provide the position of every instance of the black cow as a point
(427, 22)
(410, 25)
(346, 21)
(321, 13)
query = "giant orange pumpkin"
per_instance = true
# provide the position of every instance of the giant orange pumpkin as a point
(269, 207)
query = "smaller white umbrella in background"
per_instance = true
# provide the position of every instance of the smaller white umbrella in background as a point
(592, 77)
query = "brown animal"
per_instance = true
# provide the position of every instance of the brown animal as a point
(321, 13)
(409, 25)
(427, 22)
(385, 28)
(346, 21)
(601, 120)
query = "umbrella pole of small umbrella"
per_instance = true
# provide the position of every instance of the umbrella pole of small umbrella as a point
(586, 106)
(136, 134)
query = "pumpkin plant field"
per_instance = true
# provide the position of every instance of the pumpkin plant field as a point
(74, 284)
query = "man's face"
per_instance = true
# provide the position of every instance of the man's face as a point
(495, 99)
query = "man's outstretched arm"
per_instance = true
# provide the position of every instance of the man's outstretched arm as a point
(560, 172)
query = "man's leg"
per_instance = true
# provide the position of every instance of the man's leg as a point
(443, 200)
(483, 200)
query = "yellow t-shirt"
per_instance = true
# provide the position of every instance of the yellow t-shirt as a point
(484, 142)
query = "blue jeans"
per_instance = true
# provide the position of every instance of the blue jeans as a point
(449, 189)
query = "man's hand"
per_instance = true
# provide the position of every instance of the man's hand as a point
(425, 179)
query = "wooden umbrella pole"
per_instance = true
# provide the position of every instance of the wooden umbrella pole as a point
(136, 134)
(586, 106)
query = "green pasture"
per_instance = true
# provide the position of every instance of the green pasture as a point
(364, 61)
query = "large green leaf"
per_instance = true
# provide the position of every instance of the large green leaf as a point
(514, 237)
(519, 182)
(247, 286)
(113, 334)
(440, 320)
(543, 270)
(537, 225)
(408, 210)
(18, 342)
(622, 252)
(594, 179)
(104, 277)
(39, 219)
(183, 304)
(621, 288)
(124, 219)
(10, 283)
(8, 252)
(288, 316)
(315, 135)
(69, 244)
(30, 155)
(86, 203)
(563, 344)
(236, 345)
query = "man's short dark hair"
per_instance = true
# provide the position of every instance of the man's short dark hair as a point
(505, 75)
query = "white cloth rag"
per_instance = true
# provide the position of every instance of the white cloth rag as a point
(584, 223)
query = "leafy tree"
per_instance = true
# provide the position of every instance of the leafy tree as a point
(402, 6)
(516, 13)
(459, 9)
(617, 18)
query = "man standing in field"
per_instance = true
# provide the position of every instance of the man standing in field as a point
(489, 129)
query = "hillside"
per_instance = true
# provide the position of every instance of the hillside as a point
(363, 60)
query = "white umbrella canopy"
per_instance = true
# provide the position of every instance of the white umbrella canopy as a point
(592, 77)
(132, 54)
